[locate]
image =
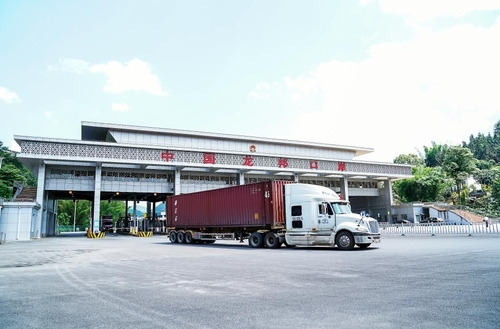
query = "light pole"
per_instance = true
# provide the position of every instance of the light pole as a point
(74, 216)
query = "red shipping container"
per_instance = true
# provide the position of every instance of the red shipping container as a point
(251, 205)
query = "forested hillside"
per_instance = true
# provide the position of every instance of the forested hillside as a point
(466, 175)
(487, 147)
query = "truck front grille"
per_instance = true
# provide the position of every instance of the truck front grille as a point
(374, 228)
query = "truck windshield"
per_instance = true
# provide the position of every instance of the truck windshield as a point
(341, 208)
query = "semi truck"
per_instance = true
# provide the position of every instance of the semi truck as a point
(107, 223)
(269, 214)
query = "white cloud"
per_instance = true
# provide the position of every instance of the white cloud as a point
(73, 65)
(9, 96)
(135, 75)
(120, 107)
(422, 10)
(262, 90)
(442, 87)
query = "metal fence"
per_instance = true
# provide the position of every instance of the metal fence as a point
(70, 228)
(493, 227)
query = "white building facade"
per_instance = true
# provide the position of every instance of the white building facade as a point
(134, 164)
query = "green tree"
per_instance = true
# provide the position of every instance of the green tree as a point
(410, 159)
(485, 164)
(12, 171)
(496, 130)
(487, 176)
(495, 193)
(428, 184)
(486, 147)
(66, 212)
(114, 208)
(435, 155)
(459, 163)
(64, 219)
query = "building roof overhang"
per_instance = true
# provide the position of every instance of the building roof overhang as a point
(100, 132)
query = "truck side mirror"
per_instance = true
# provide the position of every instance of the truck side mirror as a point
(323, 208)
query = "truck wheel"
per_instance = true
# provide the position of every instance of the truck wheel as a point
(173, 237)
(345, 240)
(363, 245)
(256, 240)
(272, 241)
(181, 237)
(188, 237)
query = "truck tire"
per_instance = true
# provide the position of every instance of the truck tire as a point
(272, 240)
(256, 240)
(173, 236)
(181, 237)
(363, 245)
(345, 240)
(188, 237)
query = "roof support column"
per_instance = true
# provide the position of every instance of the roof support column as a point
(45, 216)
(97, 198)
(241, 178)
(388, 194)
(344, 188)
(135, 222)
(40, 191)
(177, 181)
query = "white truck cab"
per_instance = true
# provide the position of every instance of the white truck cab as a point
(315, 215)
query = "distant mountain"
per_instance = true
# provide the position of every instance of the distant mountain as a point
(160, 208)
(140, 210)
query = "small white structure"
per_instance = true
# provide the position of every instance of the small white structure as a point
(416, 212)
(18, 220)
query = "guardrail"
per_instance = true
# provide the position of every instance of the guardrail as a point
(441, 228)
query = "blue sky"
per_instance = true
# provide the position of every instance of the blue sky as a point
(390, 75)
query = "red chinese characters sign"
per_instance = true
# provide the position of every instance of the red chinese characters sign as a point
(248, 161)
(208, 158)
(167, 156)
(282, 163)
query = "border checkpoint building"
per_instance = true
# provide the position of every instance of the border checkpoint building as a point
(143, 164)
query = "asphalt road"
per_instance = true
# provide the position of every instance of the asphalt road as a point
(130, 282)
